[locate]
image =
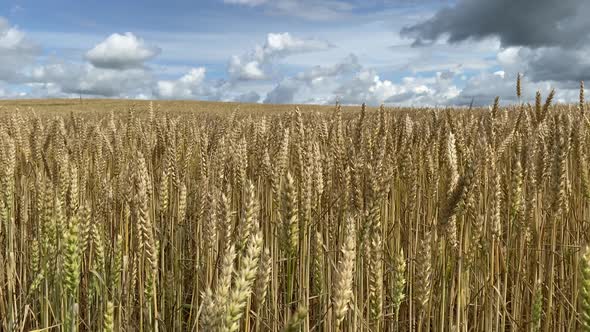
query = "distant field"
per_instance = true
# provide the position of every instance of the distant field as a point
(107, 105)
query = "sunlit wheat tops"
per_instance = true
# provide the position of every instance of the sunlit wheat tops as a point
(348, 219)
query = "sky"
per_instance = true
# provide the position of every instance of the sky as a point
(393, 52)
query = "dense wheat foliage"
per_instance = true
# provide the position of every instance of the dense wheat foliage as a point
(386, 220)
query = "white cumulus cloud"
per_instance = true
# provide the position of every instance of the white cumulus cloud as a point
(63, 78)
(349, 82)
(241, 68)
(312, 82)
(121, 52)
(16, 51)
(257, 64)
(188, 86)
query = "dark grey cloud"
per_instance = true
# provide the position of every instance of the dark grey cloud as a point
(556, 64)
(527, 23)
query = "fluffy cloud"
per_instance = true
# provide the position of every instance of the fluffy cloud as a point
(121, 52)
(16, 51)
(242, 68)
(350, 83)
(69, 78)
(14, 40)
(368, 87)
(317, 79)
(515, 22)
(115, 69)
(189, 86)
(257, 64)
(283, 93)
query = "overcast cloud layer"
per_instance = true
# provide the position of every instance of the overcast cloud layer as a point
(397, 52)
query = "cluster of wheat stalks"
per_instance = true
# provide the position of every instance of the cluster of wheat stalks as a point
(388, 220)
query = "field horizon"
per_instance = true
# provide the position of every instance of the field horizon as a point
(100, 104)
(182, 106)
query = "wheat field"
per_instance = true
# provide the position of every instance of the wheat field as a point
(156, 218)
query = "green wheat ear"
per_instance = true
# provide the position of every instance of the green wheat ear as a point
(399, 282)
(72, 260)
(585, 290)
(108, 318)
(537, 306)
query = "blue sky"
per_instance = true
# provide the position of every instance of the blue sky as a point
(403, 52)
